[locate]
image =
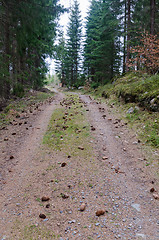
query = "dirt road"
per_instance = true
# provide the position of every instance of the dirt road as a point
(112, 177)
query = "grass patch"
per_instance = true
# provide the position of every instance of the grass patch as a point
(68, 129)
(31, 232)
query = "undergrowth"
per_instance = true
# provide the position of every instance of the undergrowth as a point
(135, 90)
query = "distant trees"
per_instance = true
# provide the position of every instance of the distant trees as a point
(68, 59)
(27, 33)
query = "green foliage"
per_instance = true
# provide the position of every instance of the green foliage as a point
(18, 90)
(25, 42)
(136, 89)
(95, 85)
(101, 52)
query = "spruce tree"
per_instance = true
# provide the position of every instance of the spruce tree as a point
(74, 34)
(102, 41)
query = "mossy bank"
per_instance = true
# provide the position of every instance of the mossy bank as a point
(136, 96)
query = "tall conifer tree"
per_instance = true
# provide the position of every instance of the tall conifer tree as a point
(74, 34)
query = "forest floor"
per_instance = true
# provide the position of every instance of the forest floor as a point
(75, 170)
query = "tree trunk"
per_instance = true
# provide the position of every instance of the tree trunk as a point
(7, 54)
(152, 17)
(128, 34)
(124, 50)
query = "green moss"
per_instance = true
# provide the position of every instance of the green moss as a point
(131, 90)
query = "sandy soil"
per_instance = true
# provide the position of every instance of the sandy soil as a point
(117, 181)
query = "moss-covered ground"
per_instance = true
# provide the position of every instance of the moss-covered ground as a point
(136, 90)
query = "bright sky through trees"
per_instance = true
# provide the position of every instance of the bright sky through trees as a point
(64, 19)
(84, 5)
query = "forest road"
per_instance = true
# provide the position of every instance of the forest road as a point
(116, 182)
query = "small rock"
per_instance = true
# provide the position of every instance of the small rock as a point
(136, 206)
(141, 235)
(97, 224)
(104, 158)
(14, 133)
(93, 128)
(82, 207)
(5, 139)
(152, 101)
(45, 198)
(11, 157)
(81, 148)
(130, 110)
(48, 205)
(46, 219)
(100, 212)
(41, 215)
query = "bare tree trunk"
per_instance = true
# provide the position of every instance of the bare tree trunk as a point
(152, 17)
(128, 34)
(124, 50)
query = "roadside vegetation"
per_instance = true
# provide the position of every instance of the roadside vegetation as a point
(17, 107)
(136, 96)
